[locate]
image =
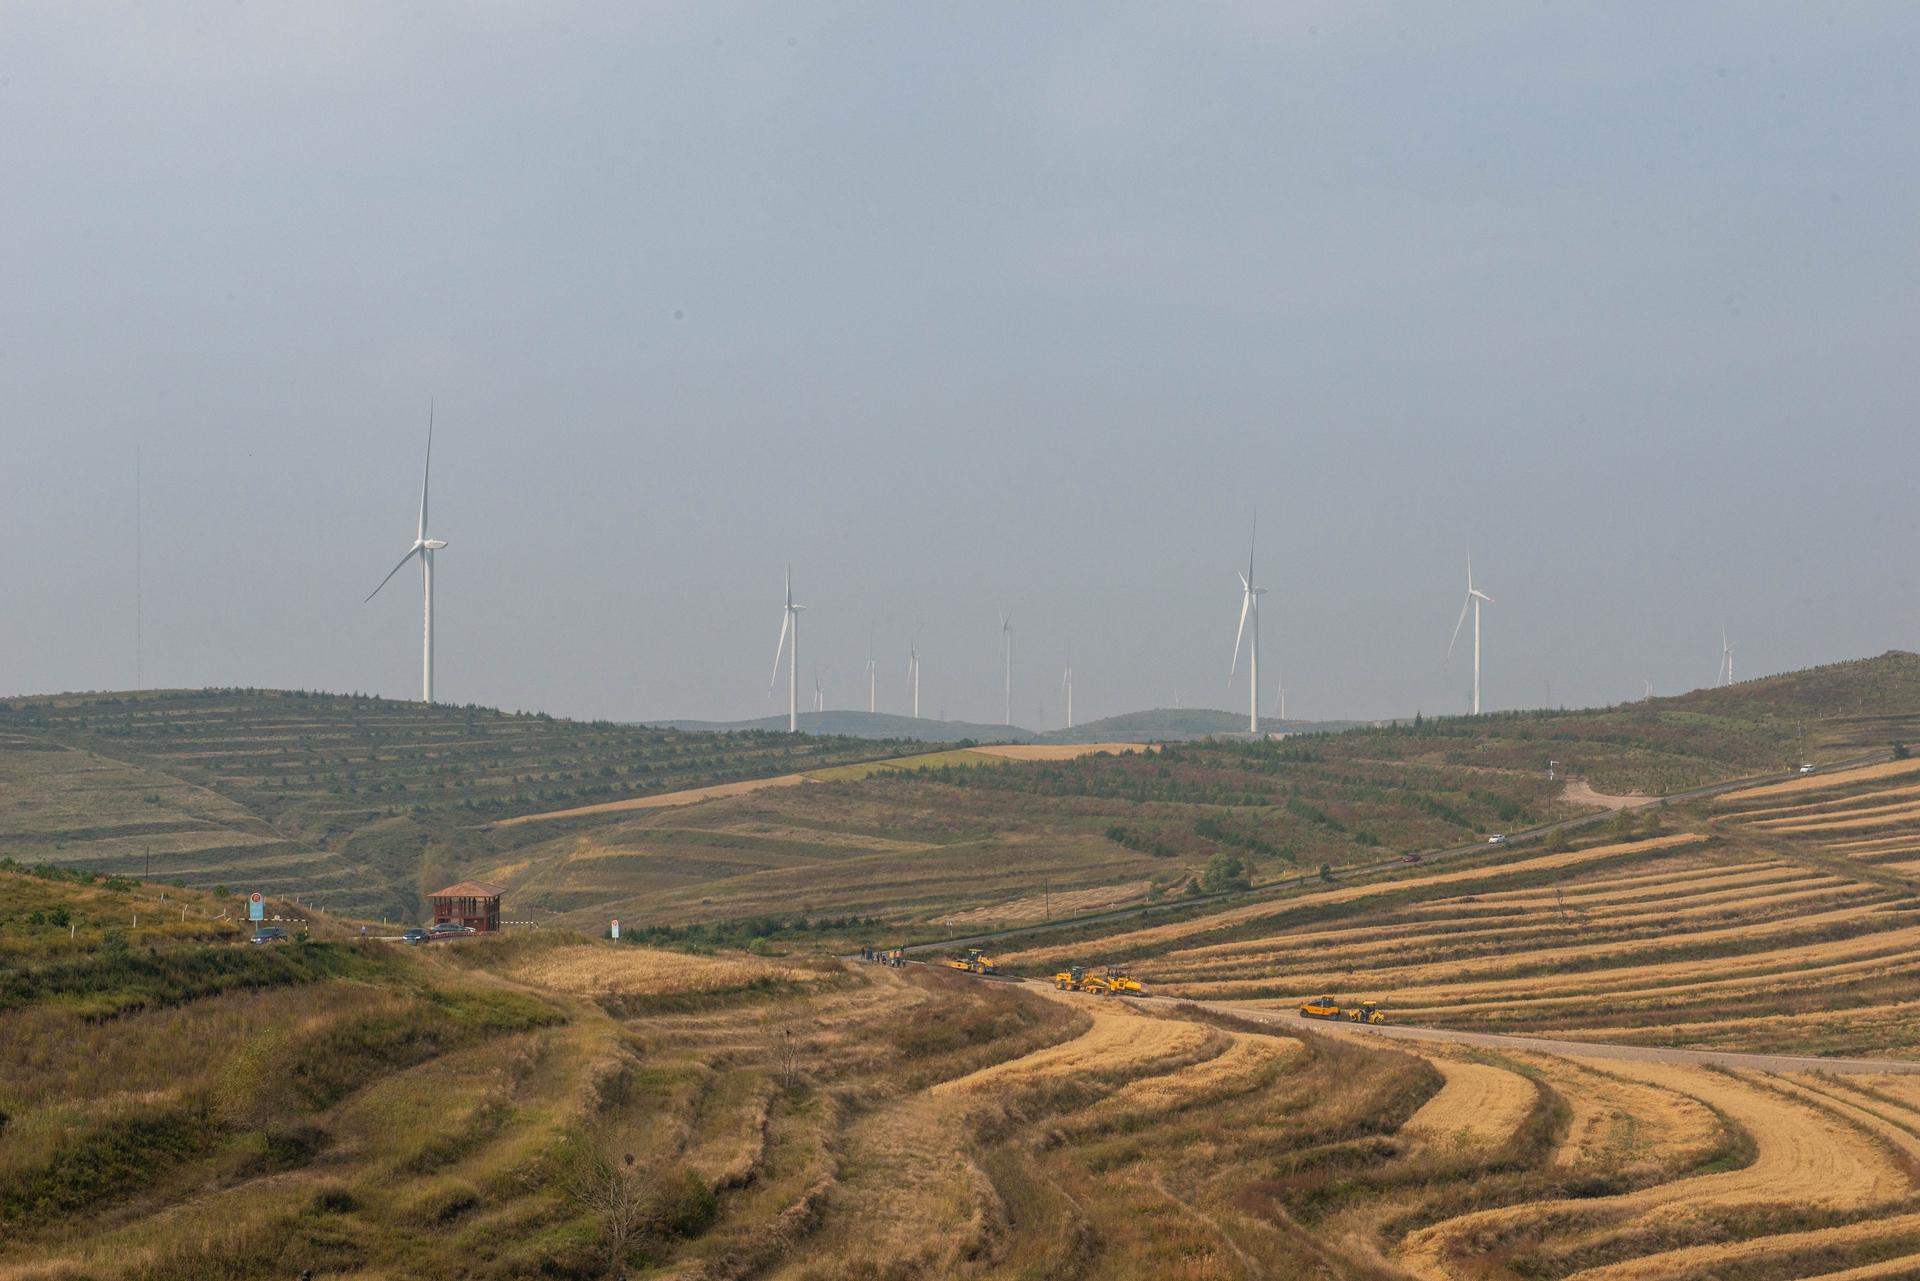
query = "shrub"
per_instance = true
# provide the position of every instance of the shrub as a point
(333, 1198)
(1224, 872)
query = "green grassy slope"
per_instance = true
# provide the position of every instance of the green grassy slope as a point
(354, 801)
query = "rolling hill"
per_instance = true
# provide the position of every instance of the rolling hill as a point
(352, 800)
(360, 802)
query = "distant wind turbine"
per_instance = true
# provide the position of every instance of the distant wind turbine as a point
(819, 695)
(1474, 597)
(789, 623)
(913, 671)
(424, 548)
(1249, 605)
(1726, 658)
(1066, 691)
(1006, 650)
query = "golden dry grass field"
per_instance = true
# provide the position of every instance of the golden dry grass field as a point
(467, 1110)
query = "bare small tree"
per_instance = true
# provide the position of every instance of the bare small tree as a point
(615, 1192)
(789, 1051)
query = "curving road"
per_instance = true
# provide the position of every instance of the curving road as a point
(1533, 1044)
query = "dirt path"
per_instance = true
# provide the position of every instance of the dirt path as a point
(694, 795)
(1062, 751)
(1579, 791)
(664, 800)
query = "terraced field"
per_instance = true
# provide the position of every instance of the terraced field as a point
(1869, 816)
(470, 1110)
(356, 802)
(1682, 939)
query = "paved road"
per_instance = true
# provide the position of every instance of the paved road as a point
(1539, 1045)
(1234, 897)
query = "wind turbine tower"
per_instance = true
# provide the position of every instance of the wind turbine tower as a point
(913, 671)
(789, 625)
(1249, 605)
(424, 548)
(1474, 597)
(1066, 690)
(1726, 657)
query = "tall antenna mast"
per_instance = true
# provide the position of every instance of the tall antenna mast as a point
(139, 568)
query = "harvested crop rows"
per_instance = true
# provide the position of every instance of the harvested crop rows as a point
(1869, 815)
(1149, 1146)
(1675, 940)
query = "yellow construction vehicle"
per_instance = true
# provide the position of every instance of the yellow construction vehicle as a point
(972, 963)
(1070, 980)
(1367, 1012)
(1324, 1007)
(1120, 983)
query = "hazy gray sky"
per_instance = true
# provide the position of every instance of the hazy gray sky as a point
(961, 308)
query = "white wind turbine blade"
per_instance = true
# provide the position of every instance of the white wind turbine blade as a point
(1246, 604)
(1464, 606)
(425, 473)
(786, 618)
(411, 553)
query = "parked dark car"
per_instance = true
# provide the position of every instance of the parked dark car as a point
(1410, 858)
(450, 930)
(270, 934)
(415, 936)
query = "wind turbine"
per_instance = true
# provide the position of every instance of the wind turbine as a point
(1066, 690)
(424, 548)
(1726, 657)
(789, 622)
(1474, 597)
(819, 695)
(1006, 649)
(913, 671)
(1249, 604)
